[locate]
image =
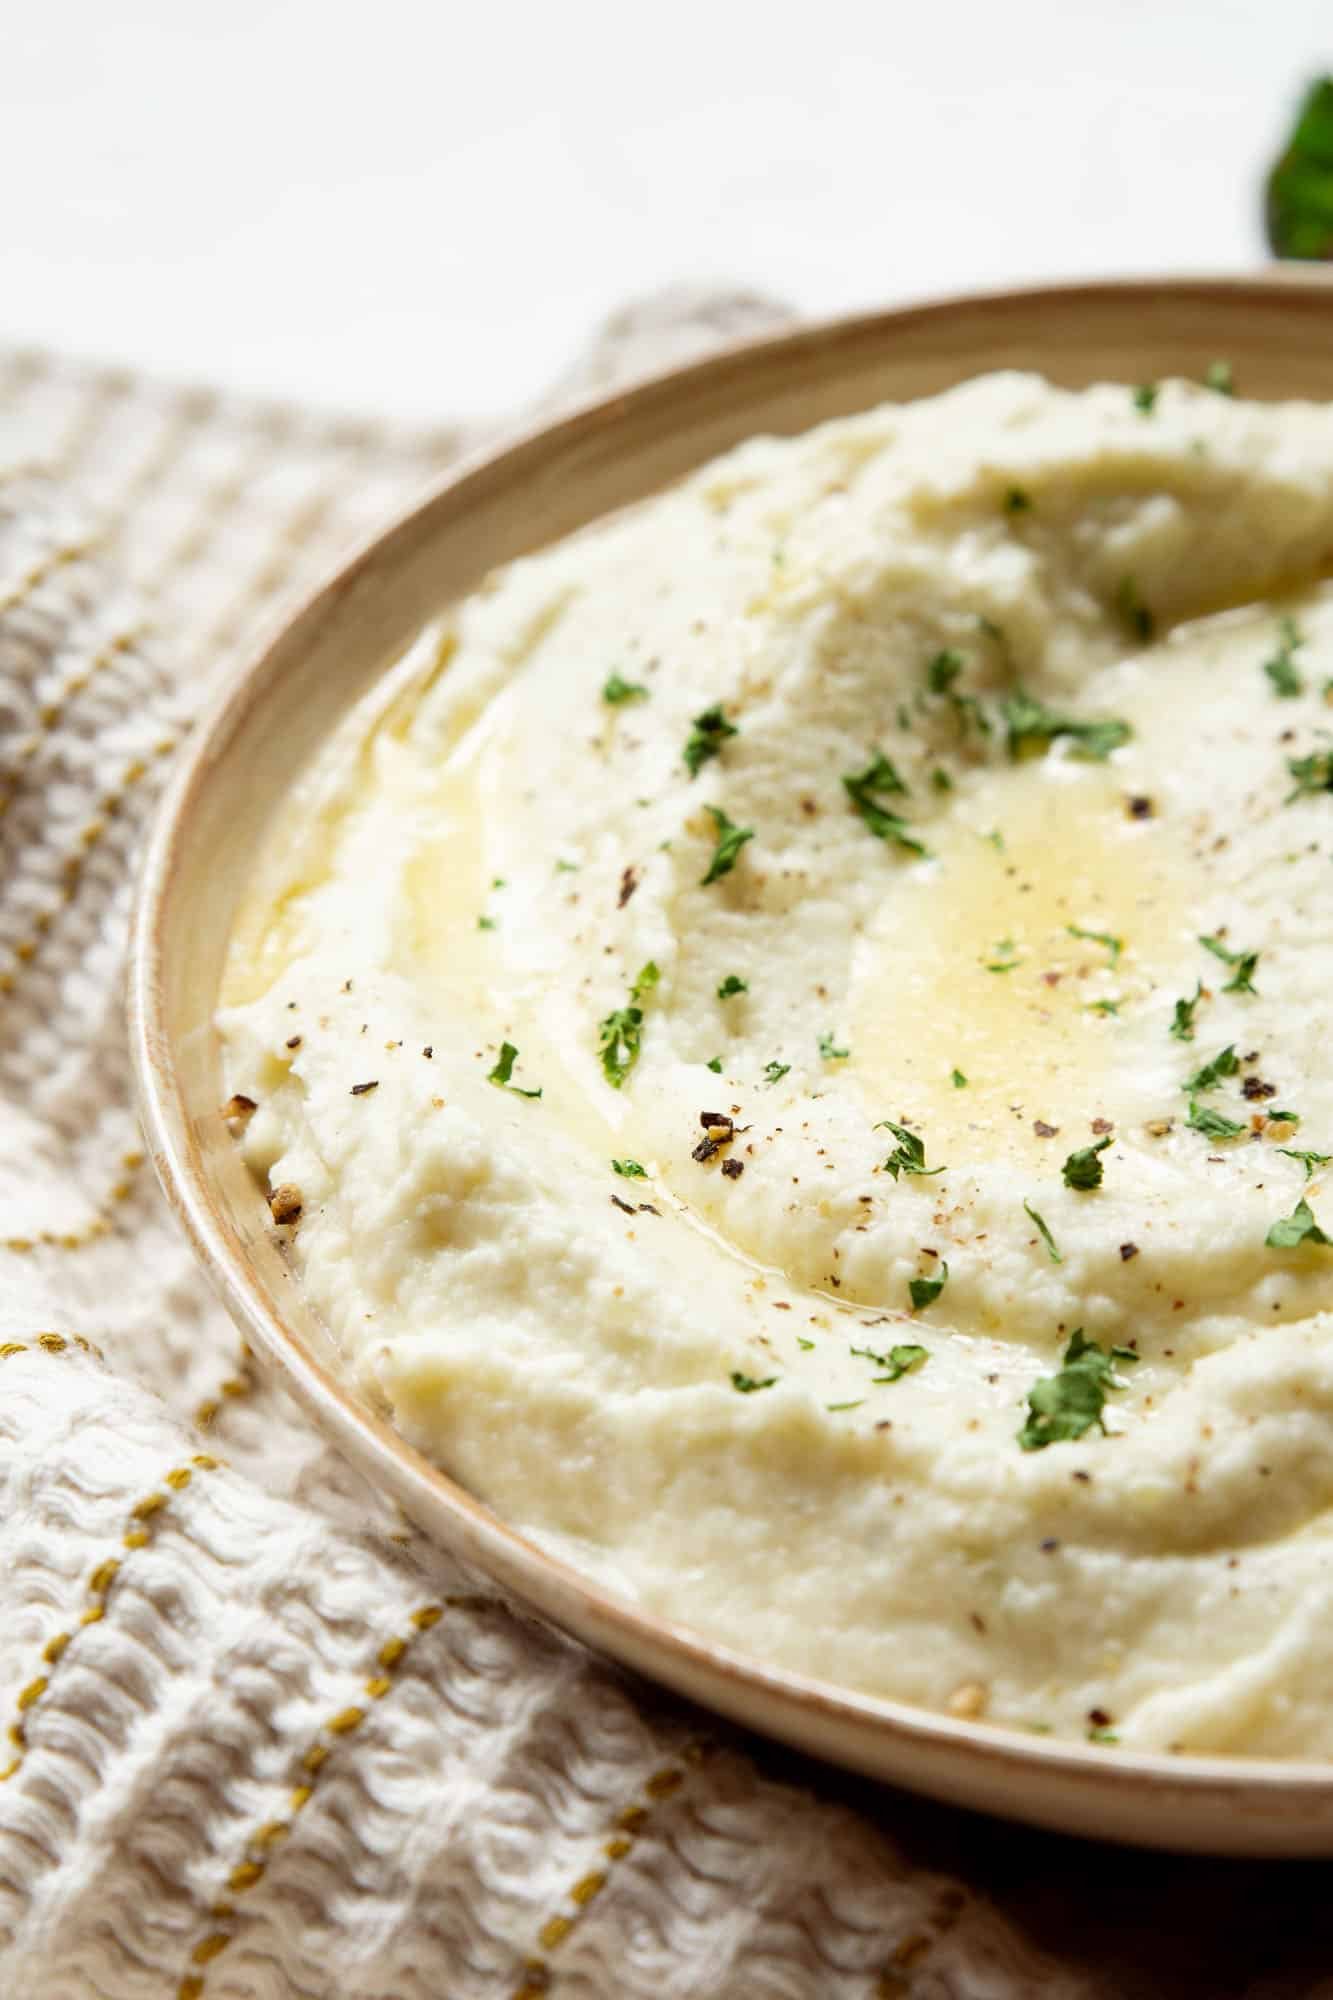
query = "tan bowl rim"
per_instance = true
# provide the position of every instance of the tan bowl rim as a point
(508, 1556)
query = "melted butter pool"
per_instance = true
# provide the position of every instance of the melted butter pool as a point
(974, 965)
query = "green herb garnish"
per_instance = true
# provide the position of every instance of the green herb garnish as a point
(715, 1065)
(485, 923)
(1145, 398)
(1294, 1229)
(621, 1033)
(1281, 669)
(730, 840)
(1103, 1006)
(899, 1361)
(1224, 1063)
(829, 1051)
(1308, 1160)
(1312, 774)
(1083, 1169)
(629, 1170)
(615, 690)
(924, 1291)
(775, 1071)
(909, 1155)
(1043, 1232)
(879, 777)
(1016, 501)
(1064, 1406)
(1211, 1123)
(958, 1080)
(1182, 1016)
(747, 1384)
(846, 1406)
(1029, 721)
(1218, 377)
(940, 779)
(1114, 945)
(731, 986)
(1242, 962)
(708, 732)
(943, 671)
(504, 1069)
(1007, 961)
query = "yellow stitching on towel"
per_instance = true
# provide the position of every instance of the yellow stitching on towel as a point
(54, 710)
(101, 1577)
(50, 1343)
(218, 501)
(247, 1872)
(629, 1822)
(78, 1239)
(71, 867)
(28, 586)
(272, 574)
(230, 1389)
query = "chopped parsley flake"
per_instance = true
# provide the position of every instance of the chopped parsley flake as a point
(1219, 378)
(1083, 1169)
(566, 867)
(1006, 962)
(747, 1384)
(1224, 1063)
(775, 1071)
(485, 923)
(1103, 1006)
(1281, 669)
(958, 1080)
(846, 1406)
(731, 986)
(940, 779)
(802, 1342)
(1308, 1160)
(899, 1361)
(1030, 723)
(924, 1291)
(1312, 774)
(1294, 1229)
(730, 840)
(1016, 501)
(504, 1069)
(629, 1170)
(1145, 398)
(615, 690)
(1114, 945)
(1064, 1406)
(1211, 1123)
(943, 671)
(879, 777)
(708, 732)
(715, 1065)
(1182, 1016)
(909, 1155)
(829, 1051)
(1242, 962)
(1043, 1232)
(620, 1035)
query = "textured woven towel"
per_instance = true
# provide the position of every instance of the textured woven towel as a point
(257, 1738)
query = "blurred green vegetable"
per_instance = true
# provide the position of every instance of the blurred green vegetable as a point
(1298, 205)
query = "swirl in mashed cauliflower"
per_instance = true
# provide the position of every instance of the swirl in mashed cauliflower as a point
(790, 1037)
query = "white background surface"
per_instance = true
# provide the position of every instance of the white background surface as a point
(423, 208)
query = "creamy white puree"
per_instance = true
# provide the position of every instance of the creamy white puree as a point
(571, 1355)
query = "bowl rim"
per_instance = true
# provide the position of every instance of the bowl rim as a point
(664, 1649)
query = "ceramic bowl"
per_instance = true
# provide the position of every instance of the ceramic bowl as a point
(1277, 333)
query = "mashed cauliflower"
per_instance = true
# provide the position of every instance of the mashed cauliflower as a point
(788, 1045)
